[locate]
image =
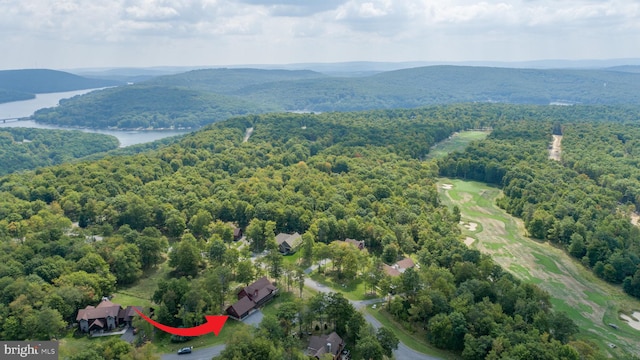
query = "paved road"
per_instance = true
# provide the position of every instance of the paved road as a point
(403, 352)
(254, 319)
(199, 354)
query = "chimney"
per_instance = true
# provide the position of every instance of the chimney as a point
(255, 293)
(329, 347)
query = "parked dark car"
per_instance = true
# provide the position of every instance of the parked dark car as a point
(184, 350)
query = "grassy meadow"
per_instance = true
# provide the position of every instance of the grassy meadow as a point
(457, 142)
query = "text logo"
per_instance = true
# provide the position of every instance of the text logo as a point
(32, 350)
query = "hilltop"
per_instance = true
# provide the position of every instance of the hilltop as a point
(24, 84)
(242, 91)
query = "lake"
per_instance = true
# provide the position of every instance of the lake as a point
(26, 108)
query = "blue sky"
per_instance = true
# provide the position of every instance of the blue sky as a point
(87, 33)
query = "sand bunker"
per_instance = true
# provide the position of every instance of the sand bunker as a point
(447, 186)
(471, 226)
(469, 240)
(633, 320)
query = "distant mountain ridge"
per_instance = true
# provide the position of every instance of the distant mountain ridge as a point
(241, 91)
(24, 84)
(348, 68)
(226, 81)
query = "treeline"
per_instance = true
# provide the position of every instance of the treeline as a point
(468, 304)
(578, 203)
(27, 148)
(328, 177)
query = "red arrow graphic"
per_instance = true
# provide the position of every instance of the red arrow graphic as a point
(214, 324)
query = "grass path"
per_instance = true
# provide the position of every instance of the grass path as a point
(457, 142)
(589, 301)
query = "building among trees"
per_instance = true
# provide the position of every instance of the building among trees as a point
(325, 344)
(252, 297)
(105, 316)
(288, 243)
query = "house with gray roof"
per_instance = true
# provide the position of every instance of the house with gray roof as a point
(325, 344)
(288, 243)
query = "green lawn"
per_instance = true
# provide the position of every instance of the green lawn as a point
(352, 290)
(165, 346)
(457, 142)
(589, 301)
(141, 292)
(71, 345)
(292, 259)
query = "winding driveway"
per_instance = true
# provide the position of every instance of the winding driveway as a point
(402, 352)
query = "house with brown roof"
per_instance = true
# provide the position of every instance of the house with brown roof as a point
(325, 344)
(241, 308)
(398, 268)
(237, 233)
(357, 243)
(105, 316)
(288, 243)
(252, 297)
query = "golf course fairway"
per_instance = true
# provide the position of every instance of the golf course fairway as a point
(592, 303)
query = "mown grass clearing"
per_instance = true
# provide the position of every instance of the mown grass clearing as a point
(457, 142)
(165, 346)
(352, 290)
(142, 291)
(294, 259)
(589, 301)
(73, 344)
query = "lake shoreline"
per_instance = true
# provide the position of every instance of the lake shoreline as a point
(71, 127)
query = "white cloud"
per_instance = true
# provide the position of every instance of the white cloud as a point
(294, 30)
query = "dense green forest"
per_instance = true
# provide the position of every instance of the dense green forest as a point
(28, 148)
(329, 177)
(160, 102)
(230, 81)
(10, 95)
(581, 203)
(24, 84)
(142, 106)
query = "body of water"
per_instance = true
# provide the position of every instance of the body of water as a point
(26, 108)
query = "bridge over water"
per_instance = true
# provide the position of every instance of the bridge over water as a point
(10, 119)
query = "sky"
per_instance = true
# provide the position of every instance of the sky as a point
(71, 34)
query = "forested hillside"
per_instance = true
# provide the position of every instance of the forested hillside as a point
(229, 81)
(27, 148)
(329, 177)
(10, 95)
(24, 84)
(581, 203)
(240, 91)
(142, 106)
